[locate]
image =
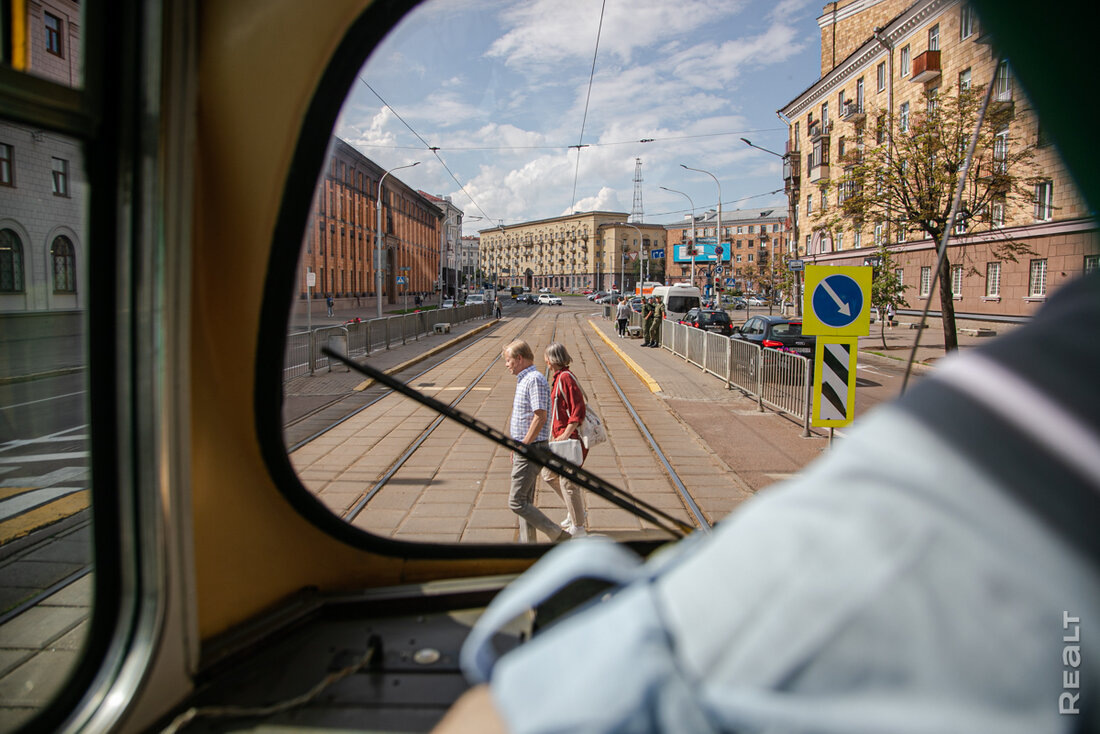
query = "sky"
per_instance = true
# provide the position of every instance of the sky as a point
(506, 91)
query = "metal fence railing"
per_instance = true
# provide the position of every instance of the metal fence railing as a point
(360, 338)
(779, 380)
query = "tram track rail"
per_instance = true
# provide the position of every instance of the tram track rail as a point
(631, 503)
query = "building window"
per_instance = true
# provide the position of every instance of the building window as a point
(905, 60)
(934, 38)
(899, 274)
(1092, 262)
(839, 242)
(925, 280)
(878, 234)
(881, 76)
(997, 212)
(1000, 151)
(1037, 287)
(1044, 201)
(933, 98)
(53, 34)
(1004, 83)
(966, 22)
(64, 265)
(964, 80)
(903, 118)
(855, 240)
(60, 177)
(7, 165)
(992, 279)
(751, 228)
(809, 241)
(809, 203)
(750, 257)
(957, 281)
(11, 262)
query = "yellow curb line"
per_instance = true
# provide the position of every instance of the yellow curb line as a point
(642, 374)
(420, 358)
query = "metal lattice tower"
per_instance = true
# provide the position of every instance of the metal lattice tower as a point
(636, 213)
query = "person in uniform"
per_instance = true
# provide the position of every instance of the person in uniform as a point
(647, 321)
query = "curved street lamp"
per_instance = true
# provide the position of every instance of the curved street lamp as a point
(718, 231)
(378, 237)
(794, 229)
(681, 193)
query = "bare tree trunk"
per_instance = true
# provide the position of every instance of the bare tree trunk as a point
(882, 329)
(947, 307)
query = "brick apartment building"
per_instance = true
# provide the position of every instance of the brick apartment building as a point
(879, 59)
(339, 246)
(753, 243)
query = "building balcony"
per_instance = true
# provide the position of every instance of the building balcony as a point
(819, 173)
(853, 112)
(926, 67)
(817, 129)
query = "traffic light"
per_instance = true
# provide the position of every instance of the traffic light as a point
(689, 249)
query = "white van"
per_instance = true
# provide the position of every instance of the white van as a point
(678, 299)
(473, 298)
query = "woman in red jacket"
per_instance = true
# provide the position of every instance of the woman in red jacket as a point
(567, 413)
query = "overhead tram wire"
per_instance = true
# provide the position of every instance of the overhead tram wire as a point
(565, 146)
(433, 148)
(588, 97)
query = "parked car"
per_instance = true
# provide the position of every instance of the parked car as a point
(595, 295)
(636, 304)
(757, 301)
(609, 297)
(709, 319)
(544, 290)
(473, 298)
(778, 332)
(547, 299)
(448, 303)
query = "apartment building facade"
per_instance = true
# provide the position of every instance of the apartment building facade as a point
(339, 247)
(883, 64)
(588, 251)
(43, 248)
(753, 242)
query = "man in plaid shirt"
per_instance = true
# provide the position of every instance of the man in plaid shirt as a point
(528, 425)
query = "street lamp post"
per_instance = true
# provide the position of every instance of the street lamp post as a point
(791, 213)
(718, 231)
(692, 230)
(378, 237)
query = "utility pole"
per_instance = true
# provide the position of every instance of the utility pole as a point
(636, 213)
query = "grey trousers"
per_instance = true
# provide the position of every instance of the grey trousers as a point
(521, 500)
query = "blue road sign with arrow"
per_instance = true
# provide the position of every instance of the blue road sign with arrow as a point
(837, 301)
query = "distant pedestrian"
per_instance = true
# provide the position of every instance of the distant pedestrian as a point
(417, 300)
(528, 424)
(658, 319)
(330, 303)
(497, 309)
(622, 315)
(890, 314)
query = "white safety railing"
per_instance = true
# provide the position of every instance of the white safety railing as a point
(360, 338)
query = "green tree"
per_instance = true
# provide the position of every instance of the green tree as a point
(907, 181)
(887, 291)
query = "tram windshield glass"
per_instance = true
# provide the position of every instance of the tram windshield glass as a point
(495, 148)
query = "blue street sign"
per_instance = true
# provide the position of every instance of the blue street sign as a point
(837, 300)
(655, 254)
(401, 280)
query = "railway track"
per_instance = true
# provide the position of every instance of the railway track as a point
(407, 473)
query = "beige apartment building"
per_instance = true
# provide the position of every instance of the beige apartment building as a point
(575, 253)
(879, 59)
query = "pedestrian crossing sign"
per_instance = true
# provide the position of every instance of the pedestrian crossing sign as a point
(834, 397)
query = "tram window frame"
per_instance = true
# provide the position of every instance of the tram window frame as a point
(110, 113)
(311, 153)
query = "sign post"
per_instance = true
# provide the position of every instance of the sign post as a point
(837, 310)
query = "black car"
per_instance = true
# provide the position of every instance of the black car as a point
(709, 319)
(778, 332)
